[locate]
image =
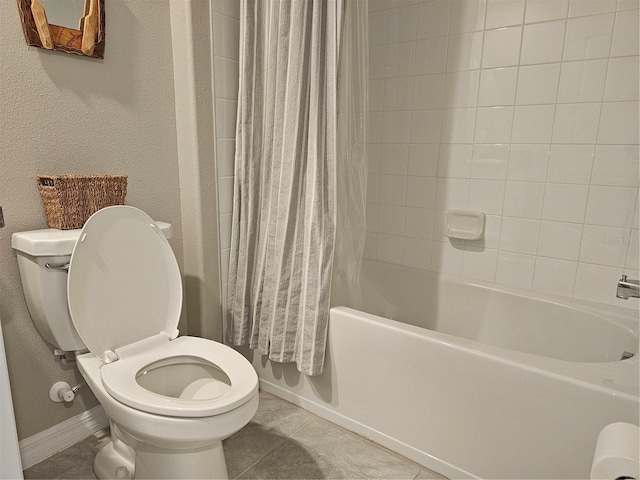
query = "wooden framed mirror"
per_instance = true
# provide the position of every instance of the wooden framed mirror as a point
(87, 39)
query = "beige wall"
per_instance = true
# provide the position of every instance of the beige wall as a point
(61, 113)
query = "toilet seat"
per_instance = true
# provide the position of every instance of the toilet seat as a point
(124, 291)
(120, 378)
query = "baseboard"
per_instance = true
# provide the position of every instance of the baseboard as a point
(63, 435)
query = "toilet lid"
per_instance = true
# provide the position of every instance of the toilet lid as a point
(124, 284)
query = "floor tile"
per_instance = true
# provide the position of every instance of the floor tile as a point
(282, 441)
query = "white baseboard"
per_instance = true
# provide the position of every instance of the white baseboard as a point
(63, 435)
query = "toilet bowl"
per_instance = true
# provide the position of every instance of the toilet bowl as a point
(170, 400)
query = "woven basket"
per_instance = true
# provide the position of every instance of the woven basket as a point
(69, 200)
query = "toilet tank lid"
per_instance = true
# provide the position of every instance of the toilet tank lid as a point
(51, 242)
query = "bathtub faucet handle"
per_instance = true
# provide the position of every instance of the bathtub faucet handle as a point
(628, 288)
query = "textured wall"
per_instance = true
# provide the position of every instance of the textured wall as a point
(60, 113)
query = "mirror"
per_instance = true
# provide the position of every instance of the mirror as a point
(64, 13)
(72, 26)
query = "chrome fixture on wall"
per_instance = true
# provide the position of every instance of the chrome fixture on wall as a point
(628, 288)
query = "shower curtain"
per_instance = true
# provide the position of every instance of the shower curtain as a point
(284, 212)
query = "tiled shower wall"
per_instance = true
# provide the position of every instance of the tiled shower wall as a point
(524, 110)
(226, 35)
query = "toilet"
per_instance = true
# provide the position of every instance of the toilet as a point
(112, 292)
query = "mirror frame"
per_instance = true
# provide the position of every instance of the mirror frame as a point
(64, 39)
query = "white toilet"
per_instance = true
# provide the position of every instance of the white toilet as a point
(170, 400)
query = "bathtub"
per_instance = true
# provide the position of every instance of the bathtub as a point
(475, 380)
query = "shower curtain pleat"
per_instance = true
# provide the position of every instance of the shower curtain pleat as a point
(283, 227)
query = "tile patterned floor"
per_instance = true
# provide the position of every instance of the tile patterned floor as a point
(282, 441)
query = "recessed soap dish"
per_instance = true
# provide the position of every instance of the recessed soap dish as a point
(465, 225)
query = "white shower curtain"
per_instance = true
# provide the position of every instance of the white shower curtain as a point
(284, 212)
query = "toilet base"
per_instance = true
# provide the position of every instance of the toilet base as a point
(119, 460)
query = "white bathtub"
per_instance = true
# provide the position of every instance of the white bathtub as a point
(496, 385)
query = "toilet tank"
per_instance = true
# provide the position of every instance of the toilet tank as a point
(41, 253)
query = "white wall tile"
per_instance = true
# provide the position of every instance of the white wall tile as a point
(464, 52)
(492, 227)
(519, 235)
(398, 93)
(486, 196)
(479, 263)
(544, 10)
(391, 219)
(402, 23)
(622, 79)
(627, 4)
(458, 125)
(374, 129)
(428, 91)
(433, 18)
(425, 126)
(490, 162)
(497, 86)
(377, 62)
(225, 161)
(467, 16)
(371, 217)
(225, 195)
(625, 34)
(396, 126)
(619, 123)
(373, 188)
(501, 47)
(570, 164)
(226, 78)
(446, 257)
(582, 81)
(392, 190)
(370, 245)
(373, 153)
(377, 28)
(400, 59)
(225, 28)
(423, 159)
(565, 203)
(597, 283)
(376, 95)
(377, 5)
(576, 123)
(394, 158)
(588, 37)
(493, 124)
(515, 269)
(559, 239)
(523, 199)
(579, 8)
(461, 89)
(503, 13)
(633, 254)
(532, 124)
(452, 194)
(431, 55)
(604, 245)
(225, 230)
(538, 84)
(555, 276)
(416, 253)
(421, 192)
(528, 162)
(419, 223)
(389, 248)
(455, 160)
(616, 165)
(543, 42)
(612, 206)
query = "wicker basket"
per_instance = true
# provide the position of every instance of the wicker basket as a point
(69, 200)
